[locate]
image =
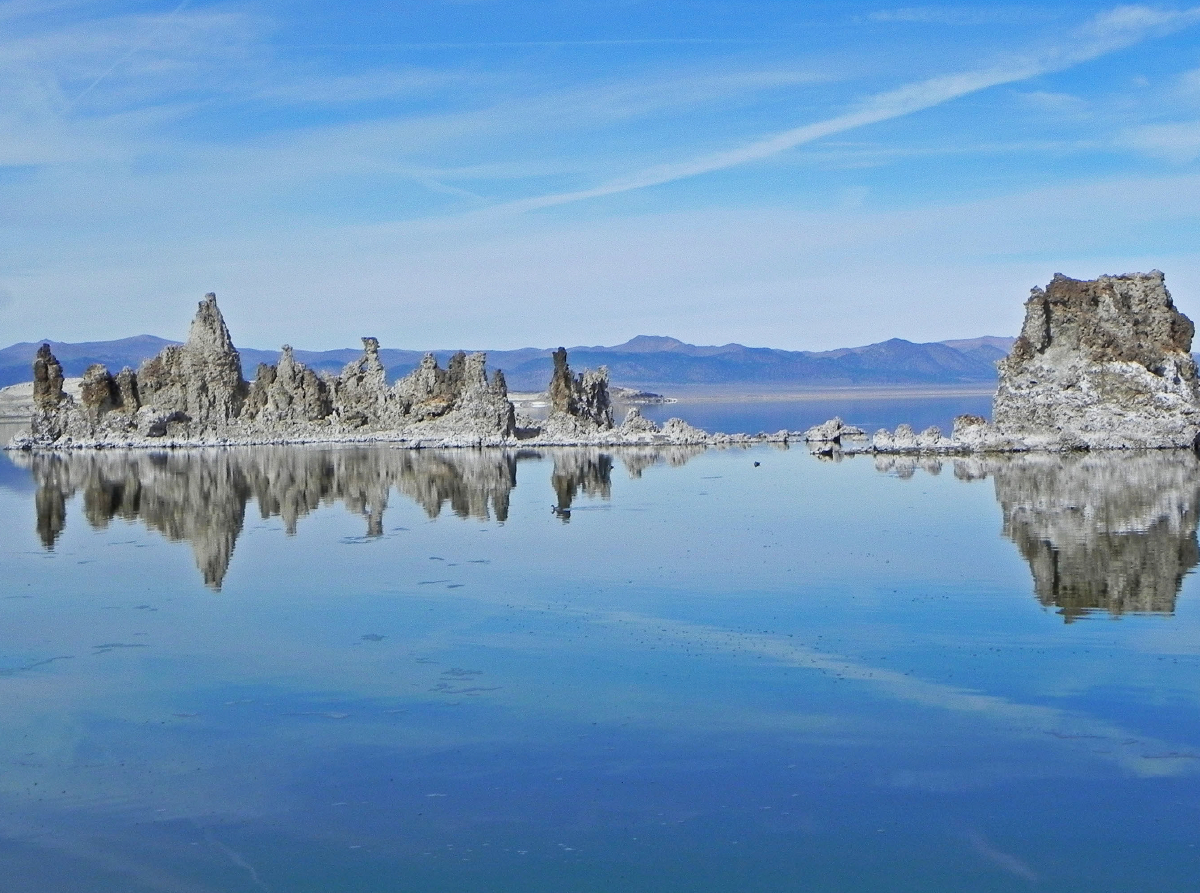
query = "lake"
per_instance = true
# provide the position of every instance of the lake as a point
(868, 409)
(369, 669)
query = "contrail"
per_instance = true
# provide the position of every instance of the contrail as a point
(1108, 32)
(153, 33)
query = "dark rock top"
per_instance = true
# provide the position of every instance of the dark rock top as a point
(1127, 318)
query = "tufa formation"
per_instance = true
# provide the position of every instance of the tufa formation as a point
(1100, 364)
(195, 394)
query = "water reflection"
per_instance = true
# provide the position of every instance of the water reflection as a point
(200, 496)
(1101, 532)
(1114, 533)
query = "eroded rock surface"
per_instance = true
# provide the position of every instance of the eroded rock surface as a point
(1101, 364)
(47, 380)
(579, 404)
(200, 379)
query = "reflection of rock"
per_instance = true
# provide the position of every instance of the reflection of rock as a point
(1103, 532)
(637, 459)
(580, 469)
(200, 496)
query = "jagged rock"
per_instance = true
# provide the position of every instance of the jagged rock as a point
(679, 431)
(47, 380)
(98, 392)
(832, 431)
(287, 392)
(582, 397)
(151, 422)
(1101, 364)
(930, 439)
(128, 396)
(478, 405)
(360, 394)
(200, 379)
(636, 423)
(425, 392)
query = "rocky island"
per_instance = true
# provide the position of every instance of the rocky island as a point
(1100, 364)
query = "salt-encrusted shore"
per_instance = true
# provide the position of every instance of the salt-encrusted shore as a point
(1099, 365)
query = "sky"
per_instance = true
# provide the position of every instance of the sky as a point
(479, 173)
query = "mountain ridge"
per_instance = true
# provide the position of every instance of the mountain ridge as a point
(643, 361)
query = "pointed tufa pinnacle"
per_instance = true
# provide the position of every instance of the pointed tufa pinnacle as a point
(47, 379)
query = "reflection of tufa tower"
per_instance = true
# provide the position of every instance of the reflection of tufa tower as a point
(1103, 532)
(200, 496)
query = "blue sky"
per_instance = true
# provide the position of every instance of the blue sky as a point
(496, 174)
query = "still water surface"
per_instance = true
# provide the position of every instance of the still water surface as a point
(582, 670)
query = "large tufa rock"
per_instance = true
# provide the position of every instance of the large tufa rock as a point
(47, 380)
(1101, 364)
(455, 400)
(360, 393)
(578, 402)
(201, 379)
(287, 392)
(429, 391)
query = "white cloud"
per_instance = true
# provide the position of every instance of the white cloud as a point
(1178, 142)
(1106, 33)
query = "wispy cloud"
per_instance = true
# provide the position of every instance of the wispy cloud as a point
(1177, 142)
(1107, 33)
(951, 15)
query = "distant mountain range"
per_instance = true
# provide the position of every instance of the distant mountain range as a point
(646, 361)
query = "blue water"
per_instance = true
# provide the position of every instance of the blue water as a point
(734, 415)
(575, 670)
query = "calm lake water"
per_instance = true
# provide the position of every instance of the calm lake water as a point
(735, 414)
(583, 670)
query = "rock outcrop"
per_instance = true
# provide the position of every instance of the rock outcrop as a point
(1099, 365)
(1103, 364)
(194, 393)
(287, 392)
(579, 404)
(47, 380)
(200, 380)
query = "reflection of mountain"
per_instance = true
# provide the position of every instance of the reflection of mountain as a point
(200, 495)
(1110, 532)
